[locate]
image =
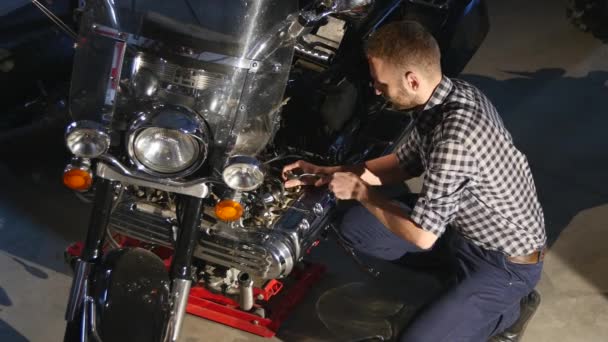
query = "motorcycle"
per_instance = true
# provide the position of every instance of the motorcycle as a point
(184, 115)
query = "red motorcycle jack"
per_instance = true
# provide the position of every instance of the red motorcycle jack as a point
(278, 298)
(221, 309)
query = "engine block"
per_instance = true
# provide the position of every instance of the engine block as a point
(264, 251)
(269, 253)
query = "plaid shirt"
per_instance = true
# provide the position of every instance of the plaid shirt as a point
(476, 180)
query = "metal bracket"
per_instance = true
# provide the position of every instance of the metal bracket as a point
(117, 172)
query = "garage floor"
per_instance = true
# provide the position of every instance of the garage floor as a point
(549, 81)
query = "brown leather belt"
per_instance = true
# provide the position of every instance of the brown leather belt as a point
(530, 259)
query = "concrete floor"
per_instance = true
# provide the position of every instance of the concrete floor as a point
(549, 81)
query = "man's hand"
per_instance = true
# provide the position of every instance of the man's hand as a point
(347, 185)
(309, 168)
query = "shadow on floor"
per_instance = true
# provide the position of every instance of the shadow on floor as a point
(5, 300)
(38, 216)
(348, 304)
(35, 271)
(560, 123)
(9, 334)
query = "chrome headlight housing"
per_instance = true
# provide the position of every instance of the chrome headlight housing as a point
(243, 173)
(170, 141)
(87, 139)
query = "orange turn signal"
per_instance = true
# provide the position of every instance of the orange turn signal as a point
(77, 179)
(228, 210)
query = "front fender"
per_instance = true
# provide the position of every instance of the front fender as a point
(132, 296)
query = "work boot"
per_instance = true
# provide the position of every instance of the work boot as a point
(529, 304)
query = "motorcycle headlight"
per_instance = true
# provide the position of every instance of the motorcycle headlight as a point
(165, 150)
(243, 173)
(171, 141)
(87, 139)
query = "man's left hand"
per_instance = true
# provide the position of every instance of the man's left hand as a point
(347, 185)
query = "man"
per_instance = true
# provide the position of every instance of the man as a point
(476, 181)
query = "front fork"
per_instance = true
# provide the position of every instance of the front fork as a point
(78, 315)
(181, 267)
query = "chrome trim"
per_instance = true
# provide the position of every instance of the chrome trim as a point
(151, 228)
(316, 55)
(273, 252)
(253, 162)
(349, 7)
(89, 304)
(87, 124)
(109, 32)
(117, 172)
(204, 56)
(175, 118)
(175, 74)
(318, 209)
(254, 258)
(179, 294)
(79, 163)
(78, 289)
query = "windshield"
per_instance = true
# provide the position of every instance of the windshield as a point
(227, 60)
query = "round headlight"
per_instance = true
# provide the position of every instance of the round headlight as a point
(86, 141)
(168, 141)
(243, 173)
(165, 150)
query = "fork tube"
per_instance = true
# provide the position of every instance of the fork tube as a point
(76, 329)
(188, 236)
(100, 217)
(181, 267)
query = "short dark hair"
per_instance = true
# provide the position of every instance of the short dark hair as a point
(405, 43)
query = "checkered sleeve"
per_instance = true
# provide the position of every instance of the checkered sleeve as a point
(409, 156)
(451, 168)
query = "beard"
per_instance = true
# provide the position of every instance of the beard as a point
(400, 102)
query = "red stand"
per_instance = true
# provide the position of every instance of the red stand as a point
(217, 308)
(221, 309)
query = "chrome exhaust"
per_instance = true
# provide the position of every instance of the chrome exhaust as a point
(246, 291)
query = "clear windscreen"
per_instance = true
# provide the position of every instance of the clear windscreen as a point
(227, 60)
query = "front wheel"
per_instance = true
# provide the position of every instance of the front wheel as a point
(131, 298)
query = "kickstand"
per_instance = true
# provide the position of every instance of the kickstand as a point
(353, 254)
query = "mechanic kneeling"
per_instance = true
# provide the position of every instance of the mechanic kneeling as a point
(475, 180)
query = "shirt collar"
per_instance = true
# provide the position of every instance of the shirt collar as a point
(427, 117)
(441, 92)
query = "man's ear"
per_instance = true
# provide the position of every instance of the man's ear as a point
(411, 80)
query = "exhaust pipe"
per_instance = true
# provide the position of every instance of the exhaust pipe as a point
(246, 291)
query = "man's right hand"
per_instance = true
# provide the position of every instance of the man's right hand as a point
(301, 167)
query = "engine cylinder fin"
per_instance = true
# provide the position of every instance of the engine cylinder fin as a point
(232, 258)
(237, 249)
(141, 226)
